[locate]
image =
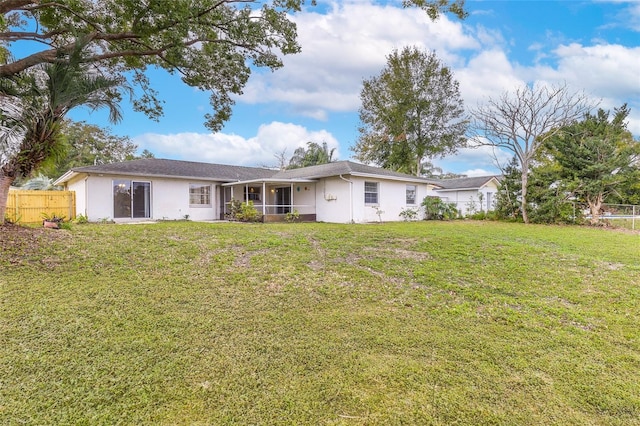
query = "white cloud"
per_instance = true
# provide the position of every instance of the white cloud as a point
(223, 148)
(346, 44)
(478, 172)
(349, 41)
(488, 74)
(629, 17)
(608, 72)
(475, 161)
(605, 69)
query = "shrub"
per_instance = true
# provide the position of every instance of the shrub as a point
(436, 209)
(293, 216)
(481, 215)
(53, 217)
(409, 214)
(66, 225)
(244, 212)
(234, 209)
(81, 219)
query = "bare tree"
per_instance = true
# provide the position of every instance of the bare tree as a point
(282, 159)
(523, 120)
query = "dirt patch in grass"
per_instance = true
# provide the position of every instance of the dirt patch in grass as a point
(21, 244)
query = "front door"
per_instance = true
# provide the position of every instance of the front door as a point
(283, 200)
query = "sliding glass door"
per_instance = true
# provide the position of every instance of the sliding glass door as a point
(131, 199)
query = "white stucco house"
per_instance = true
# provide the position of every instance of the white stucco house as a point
(340, 192)
(156, 189)
(469, 194)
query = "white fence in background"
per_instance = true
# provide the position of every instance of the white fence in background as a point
(622, 215)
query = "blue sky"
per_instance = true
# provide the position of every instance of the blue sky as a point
(592, 46)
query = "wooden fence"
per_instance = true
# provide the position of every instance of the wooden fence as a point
(29, 206)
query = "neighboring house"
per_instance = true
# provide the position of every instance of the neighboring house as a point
(470, 195)
(340, 192)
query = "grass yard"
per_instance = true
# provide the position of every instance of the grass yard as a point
(440, 323)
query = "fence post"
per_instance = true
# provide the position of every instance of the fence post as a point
(71, 203)
(633, 219)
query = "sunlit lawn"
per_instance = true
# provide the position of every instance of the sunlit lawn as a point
(409, 323)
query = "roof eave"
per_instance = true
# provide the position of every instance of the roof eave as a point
(269, 180)
(154, 175)
(400, 178)
(70, 174)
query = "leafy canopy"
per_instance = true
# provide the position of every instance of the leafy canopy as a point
(314, 154)
(32, 114)
(595, 156)
(410, 113)
(212, 44)
(88, 144)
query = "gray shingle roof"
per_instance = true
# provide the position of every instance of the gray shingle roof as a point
(228, 173)
(468, 182)
(341, 168)
(177, 168)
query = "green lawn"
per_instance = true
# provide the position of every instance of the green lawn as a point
(409, 323)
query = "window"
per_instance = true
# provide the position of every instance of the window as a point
(371, 192)
(489, 201)
(411, 194)
(253, 194)
(199, 195)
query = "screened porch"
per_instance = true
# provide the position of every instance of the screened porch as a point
(273, 199)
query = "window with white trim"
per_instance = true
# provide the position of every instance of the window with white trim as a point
(199, 195)
(411, 194)
(371, 192)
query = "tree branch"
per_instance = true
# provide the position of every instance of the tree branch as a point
(10, 5)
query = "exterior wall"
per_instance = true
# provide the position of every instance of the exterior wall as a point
(468, 201)
(392, 200)
(333, 200)
(78, 185)
(304, 198)
(169, 198)
(99, 193)
(336, 203)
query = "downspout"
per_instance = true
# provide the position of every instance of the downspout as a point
(86, 196)
(350, 197)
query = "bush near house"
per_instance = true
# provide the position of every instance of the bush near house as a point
(243, 212)
(436, 209)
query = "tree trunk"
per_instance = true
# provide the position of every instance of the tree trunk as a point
(5, 184)
(525, 182)
(595, 204)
